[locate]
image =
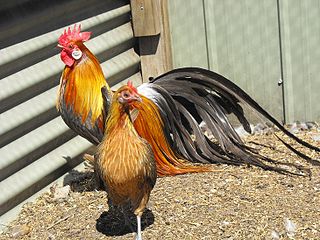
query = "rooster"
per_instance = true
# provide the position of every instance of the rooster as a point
(125, 161)
(80, 89)
(175, 103)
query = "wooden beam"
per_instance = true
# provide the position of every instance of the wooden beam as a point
(145, 17)
(155, 51)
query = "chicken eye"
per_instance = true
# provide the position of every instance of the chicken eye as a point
(125, 94)
(70, 46)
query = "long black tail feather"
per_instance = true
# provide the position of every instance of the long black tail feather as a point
(187, 96)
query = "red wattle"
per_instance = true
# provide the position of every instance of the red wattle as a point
(66, 58)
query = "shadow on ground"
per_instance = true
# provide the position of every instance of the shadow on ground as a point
(112, 223)
(81, 181)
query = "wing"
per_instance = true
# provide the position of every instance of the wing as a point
(92, 131)
(149, 162)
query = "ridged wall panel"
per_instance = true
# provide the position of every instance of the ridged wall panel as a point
(36, 146)
(267, 47)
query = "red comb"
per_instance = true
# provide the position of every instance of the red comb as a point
(74, 35)
(130, 85)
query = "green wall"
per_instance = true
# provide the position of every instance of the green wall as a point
(255, 44)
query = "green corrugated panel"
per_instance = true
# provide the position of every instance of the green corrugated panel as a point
(36, 146)
(238, 39)
(300, 23)
(247, 42)
(244, 46)
(188, 37)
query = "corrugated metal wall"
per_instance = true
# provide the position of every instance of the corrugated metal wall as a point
(36, 146)
(300, 37)
(255, 44)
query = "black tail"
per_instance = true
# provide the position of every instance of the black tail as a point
(187, 96)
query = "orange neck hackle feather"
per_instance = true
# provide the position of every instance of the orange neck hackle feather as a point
(150, 127)
(83, 82)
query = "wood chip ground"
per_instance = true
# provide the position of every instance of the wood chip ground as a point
(231, 203)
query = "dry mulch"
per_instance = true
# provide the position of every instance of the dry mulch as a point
(232, 203)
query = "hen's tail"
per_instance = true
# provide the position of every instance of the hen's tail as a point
(188, 96)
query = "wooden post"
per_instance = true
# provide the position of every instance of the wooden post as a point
(155, 49)
(145, 15)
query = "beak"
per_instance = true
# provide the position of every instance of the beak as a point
(134, 98)
(59, 46)
(137, 98)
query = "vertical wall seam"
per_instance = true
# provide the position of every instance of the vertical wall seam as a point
(281, 63)
(206, 33)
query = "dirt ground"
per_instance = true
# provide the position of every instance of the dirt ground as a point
(231, 203)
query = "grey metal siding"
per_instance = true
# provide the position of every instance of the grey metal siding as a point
(36, 146)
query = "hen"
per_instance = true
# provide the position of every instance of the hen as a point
(125, 161)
